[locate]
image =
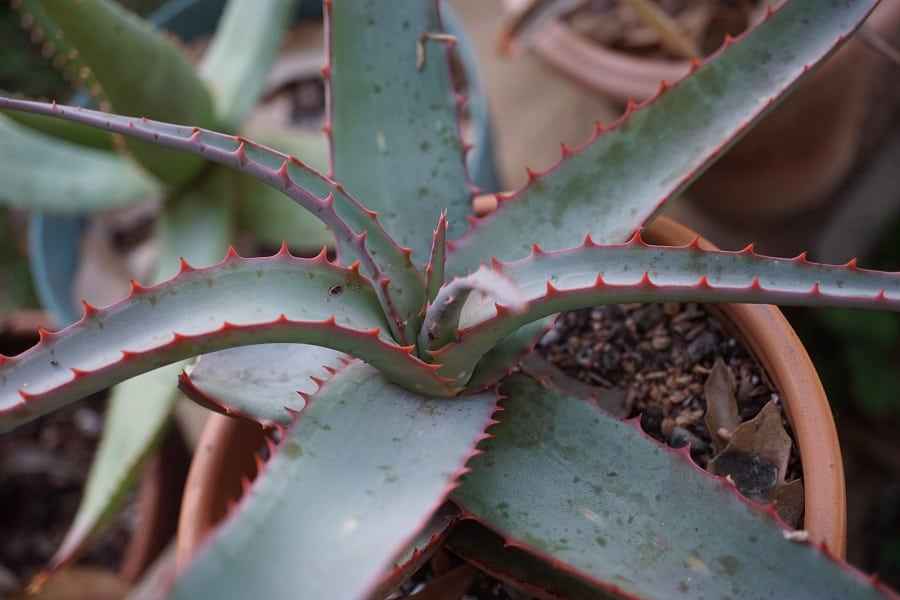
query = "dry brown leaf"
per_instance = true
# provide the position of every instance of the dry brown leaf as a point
(756, 458)
(721, 406)
(789, 501)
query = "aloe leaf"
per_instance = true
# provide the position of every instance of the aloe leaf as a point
(238, 302)
(84, 179)
(245, 44)
(139, 70)
(443, 315)
(434, 270)
(404, 156)
(400, 287)
(62, 130)
(626, 514)
(352, 482)
(195, 226)
(260, 382)
(637, 272)
(264, 212)
(427, 541)
(619, 180)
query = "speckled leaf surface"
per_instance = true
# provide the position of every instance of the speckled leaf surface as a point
(82, 179)
(364, 468)
(626, 513)
(394, 128)
(623, 177)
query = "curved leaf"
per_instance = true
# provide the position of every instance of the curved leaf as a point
(141, 73)
(625, 514)
(62, 130)
(238, 302)
(83, 179)
(400, 286)
(352, 482)
(580, 277)
(619, 180)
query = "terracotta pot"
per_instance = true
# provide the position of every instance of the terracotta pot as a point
(789, 163)
(225, 452)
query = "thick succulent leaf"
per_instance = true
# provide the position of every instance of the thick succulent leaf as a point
(260, 382)
(443, 315)
(245, 44)
(238, 302)
(622, 512)
(83, 179)
(394, 127)
(623, 176)
(400, 286)
(427, 541)
(362, 470)
(194, 226)
(636, 272)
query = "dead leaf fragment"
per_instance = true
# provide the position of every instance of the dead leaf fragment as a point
(721, 406)
(757, 455)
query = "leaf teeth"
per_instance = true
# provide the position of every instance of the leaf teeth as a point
(282, 172)
(44, 335)
(241, 154)
(89, 309)
(184, 266)
(283, 251)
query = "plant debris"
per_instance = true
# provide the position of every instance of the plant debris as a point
(668, 360)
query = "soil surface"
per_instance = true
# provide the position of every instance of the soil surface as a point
(661, 356)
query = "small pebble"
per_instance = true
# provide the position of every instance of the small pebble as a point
(681, 437)
(702, 347)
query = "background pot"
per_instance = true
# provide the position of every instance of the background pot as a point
(226, 450)
(791, 161)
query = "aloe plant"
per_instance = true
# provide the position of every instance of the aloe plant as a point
(421, 321)
(199, 216)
